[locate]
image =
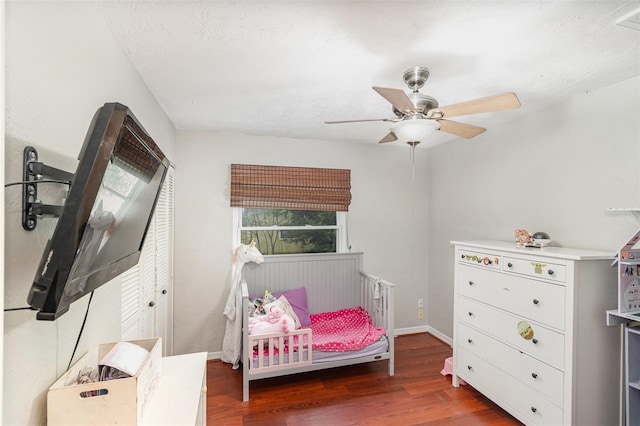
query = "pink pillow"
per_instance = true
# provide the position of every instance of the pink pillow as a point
(298, 300)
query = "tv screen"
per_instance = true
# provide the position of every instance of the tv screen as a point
(106, 215)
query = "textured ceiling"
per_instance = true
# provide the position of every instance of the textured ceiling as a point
(282, 68)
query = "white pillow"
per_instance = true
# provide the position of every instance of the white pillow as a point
(284, 304)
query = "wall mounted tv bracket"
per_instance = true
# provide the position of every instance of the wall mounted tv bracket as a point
(32, 173)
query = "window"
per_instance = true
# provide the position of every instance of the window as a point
(278, 231)
(291, 209)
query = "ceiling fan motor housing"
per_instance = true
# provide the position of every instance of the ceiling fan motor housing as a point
(423, 103)
(415, 78)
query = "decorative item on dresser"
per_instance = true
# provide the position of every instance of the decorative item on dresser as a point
(529, 331)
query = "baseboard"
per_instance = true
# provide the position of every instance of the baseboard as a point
(424, 329)
(214, 355)
(411, 330)
(438, 335)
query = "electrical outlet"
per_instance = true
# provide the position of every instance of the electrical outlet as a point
(420, 314)
(420, 303)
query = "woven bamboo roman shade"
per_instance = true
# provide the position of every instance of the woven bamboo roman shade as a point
(292, 188)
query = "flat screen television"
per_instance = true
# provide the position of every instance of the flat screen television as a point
(106, 214)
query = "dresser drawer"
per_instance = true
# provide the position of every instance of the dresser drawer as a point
(537, 300)
(541, 377)
(535, 268)
(522, 401)
(541, 342)
(486, 260)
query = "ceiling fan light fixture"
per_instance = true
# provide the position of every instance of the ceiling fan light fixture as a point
(416, 130)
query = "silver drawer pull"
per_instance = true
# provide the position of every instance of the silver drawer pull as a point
(534, 409)
(550, 272)
(536, 301)
(534, 375)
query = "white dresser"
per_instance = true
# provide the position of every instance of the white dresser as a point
(530, 333)
(181, 396)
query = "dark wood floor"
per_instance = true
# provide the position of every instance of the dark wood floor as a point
(356, 395)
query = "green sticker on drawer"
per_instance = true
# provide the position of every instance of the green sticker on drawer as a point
(537, 267)
(525, 330)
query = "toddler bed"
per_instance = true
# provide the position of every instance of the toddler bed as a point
(328, 293)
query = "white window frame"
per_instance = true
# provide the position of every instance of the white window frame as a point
(342, 234)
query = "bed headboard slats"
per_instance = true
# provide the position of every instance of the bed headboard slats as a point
(335, 278)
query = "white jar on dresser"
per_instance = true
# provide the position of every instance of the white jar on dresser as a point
(530, 332)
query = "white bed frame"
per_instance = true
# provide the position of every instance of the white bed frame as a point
(332, 281)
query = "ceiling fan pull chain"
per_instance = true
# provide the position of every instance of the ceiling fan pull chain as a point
(412, 155)
(413, 162)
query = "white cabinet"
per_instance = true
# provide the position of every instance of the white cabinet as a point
(181, 395)
(529, 331)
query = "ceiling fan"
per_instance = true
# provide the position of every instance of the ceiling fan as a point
(418, 116)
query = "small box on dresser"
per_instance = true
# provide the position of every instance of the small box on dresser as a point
(529, 331)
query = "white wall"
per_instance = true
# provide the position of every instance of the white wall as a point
(555, 171)
(61, 65)
(387, 221)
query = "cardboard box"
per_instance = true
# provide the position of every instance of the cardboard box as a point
(121, 401)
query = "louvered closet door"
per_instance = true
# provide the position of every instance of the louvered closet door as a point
(147, 283)
(147, 289)
(130, 328)
(164, 265)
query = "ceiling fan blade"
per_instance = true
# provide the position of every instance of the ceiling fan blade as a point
(397, 98)
(463, 130)
(500, 102)
(356, 121)
(389, 138)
